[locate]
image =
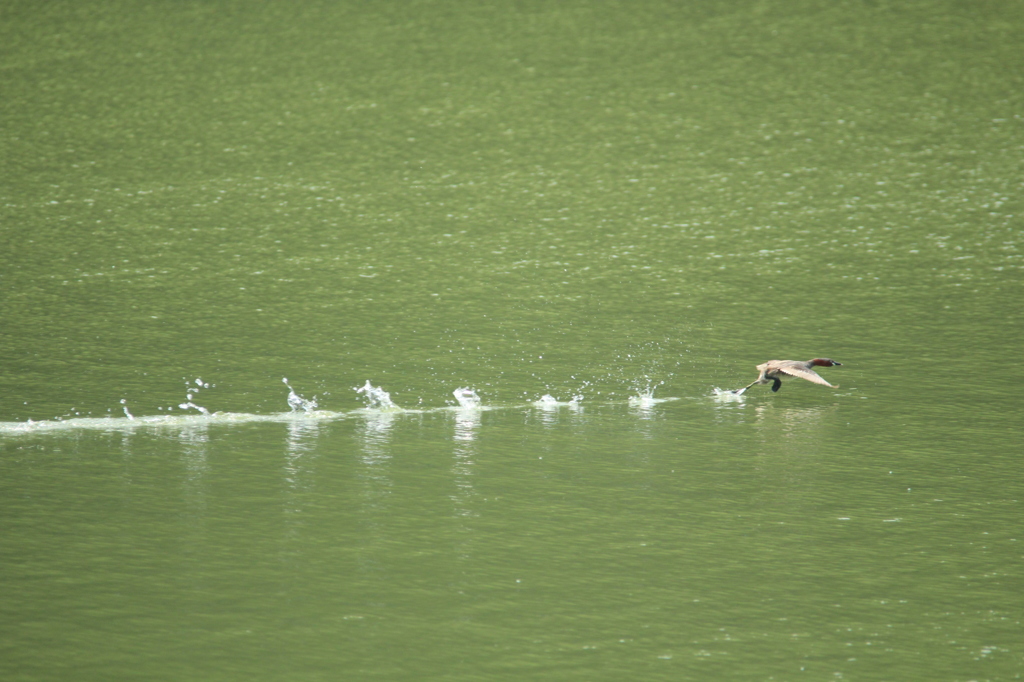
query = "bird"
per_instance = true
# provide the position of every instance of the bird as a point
(773, 371)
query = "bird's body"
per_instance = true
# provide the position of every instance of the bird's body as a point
(773, 371)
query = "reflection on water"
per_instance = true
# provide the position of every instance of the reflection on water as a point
(794, 436)
(301, 437)
(646, 415)
(465, 451)
(195, 442)
(375, 485)
(195, 445)
(467, 424)
(792, 451)
(375, 434)
(790, 422)
(300, 457)
(643, 411)
(467, 421)
(642, 405)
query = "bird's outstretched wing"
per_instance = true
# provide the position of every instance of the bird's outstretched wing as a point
(806, 374)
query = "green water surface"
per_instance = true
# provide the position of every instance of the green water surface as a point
(583, 200)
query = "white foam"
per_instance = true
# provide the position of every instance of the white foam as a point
(160, 422)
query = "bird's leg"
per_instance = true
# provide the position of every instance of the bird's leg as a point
(740, 391)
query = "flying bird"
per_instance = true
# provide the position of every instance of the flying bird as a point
(774, 371)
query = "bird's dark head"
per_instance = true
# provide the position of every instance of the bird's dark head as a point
(825, 362)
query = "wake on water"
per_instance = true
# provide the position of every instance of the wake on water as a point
(376, 401)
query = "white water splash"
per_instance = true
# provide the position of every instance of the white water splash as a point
(547, 402)
(467, 397)
(297, 402)
(124, 406)
(376, 397)
(192, 405)
(724, 396)
(645, 396)
(190, 393)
